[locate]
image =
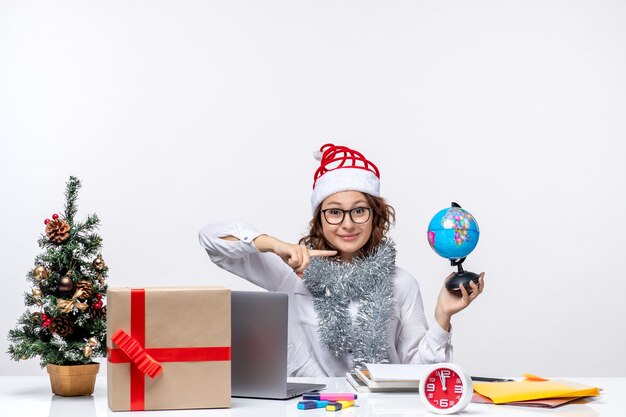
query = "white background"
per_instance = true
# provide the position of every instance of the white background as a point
(179, 113)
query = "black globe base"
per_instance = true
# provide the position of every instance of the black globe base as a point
(461, 277)
(464, 278)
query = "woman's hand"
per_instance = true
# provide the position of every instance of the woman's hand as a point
(298, 257)
(451, 302)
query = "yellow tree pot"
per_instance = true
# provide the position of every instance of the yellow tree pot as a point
(73, 380)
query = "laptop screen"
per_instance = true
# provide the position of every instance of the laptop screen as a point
(259, 343)
(259, 346)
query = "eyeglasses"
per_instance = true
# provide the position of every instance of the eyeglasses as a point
(358, 215)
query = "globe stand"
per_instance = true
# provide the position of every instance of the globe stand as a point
(461, 277)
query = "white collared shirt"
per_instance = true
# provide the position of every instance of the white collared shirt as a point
(410, 338)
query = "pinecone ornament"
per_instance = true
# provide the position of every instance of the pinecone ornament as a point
(57, 230)
(86, 287)
(61, 326)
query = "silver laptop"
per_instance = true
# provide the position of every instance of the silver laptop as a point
(259, 347)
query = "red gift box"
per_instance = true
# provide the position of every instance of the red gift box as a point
(168, 348)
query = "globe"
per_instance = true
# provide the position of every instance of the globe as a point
(453, 233)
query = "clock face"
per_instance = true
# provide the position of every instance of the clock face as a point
(446, 388)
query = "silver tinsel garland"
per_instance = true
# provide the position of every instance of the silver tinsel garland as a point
(367, 280)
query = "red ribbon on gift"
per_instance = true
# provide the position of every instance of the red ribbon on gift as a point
(146, 361)
(137, 354)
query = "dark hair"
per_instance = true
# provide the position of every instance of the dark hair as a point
(383, 217)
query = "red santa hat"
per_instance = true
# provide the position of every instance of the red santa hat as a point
(343, 169)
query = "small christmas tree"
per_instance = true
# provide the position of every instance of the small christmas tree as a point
(66, 320)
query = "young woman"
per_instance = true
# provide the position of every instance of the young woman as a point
(349, 303)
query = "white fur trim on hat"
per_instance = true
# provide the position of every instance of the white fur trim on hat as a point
(344, 179)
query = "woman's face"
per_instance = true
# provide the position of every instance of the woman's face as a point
(347, 237)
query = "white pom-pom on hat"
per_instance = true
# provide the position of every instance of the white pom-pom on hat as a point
(342, 169)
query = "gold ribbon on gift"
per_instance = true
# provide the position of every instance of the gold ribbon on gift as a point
(68, 305)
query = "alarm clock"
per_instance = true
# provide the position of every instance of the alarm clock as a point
(445, 388)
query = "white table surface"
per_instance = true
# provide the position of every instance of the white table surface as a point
(31, 397)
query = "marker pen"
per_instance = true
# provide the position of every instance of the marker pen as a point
(310, 404)
(489, 379)
(329, 396)
(339, 405)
